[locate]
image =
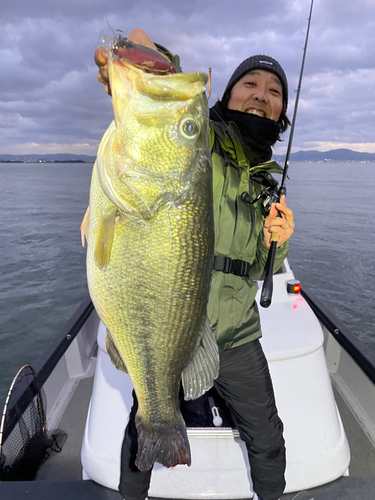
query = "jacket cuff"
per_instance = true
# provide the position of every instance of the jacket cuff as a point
(280, 254)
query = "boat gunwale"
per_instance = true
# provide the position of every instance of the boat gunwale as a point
(356, 348)
(47, 361)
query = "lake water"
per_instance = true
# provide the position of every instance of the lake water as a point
(42, 264)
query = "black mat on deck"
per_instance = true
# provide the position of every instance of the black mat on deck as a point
(45, 490)
(345, 488)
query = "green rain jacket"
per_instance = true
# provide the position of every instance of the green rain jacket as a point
(232, 309)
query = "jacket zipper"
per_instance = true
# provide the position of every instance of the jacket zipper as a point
(252, 212)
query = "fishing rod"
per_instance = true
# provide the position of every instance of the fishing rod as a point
(267, 289)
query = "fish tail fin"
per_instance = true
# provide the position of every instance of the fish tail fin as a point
(203, 367)
(166, 444)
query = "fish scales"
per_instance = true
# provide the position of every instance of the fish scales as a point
(150, 249)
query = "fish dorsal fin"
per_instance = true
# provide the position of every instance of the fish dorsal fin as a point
(113, 353)
(203, 368)
(104, 239)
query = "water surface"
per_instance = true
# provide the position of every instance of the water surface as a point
(42, 265)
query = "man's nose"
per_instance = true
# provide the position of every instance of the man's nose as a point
(260, 94)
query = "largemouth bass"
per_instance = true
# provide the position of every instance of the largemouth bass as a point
(150, 248)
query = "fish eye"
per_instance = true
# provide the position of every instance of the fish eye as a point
(189, 128)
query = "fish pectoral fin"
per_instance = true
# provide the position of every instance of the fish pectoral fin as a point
(203, 367)
(113, 353)
(104, 240)
(85, 227)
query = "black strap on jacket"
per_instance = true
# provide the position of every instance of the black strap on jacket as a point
(228, 265)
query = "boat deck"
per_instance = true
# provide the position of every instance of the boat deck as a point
(60, 476)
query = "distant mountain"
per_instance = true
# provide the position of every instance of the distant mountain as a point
(35, 158)
(338, 155)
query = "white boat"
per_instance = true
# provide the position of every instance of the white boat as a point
(324, 382)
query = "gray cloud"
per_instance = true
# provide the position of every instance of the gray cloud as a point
(50, 96)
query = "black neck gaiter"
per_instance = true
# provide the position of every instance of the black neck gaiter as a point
(257, 134)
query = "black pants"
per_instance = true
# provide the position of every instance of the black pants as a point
(245, 384)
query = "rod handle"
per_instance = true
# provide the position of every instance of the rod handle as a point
(267, 289)
(274, 237)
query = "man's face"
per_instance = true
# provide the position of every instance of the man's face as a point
(258, 92)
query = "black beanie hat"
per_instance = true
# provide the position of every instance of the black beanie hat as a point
(257, 62)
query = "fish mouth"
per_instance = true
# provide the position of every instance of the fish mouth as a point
(256, 111)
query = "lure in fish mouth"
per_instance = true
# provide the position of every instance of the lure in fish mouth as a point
(142, 57)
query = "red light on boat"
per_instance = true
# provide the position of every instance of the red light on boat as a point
(293, 287)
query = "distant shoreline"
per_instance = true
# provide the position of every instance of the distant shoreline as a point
(326, 162)
(46, 161)
(310, 156)
(281, 161)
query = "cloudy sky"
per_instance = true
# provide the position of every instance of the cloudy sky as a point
(51, 102)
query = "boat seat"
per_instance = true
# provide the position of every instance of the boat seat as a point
(297, 334)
